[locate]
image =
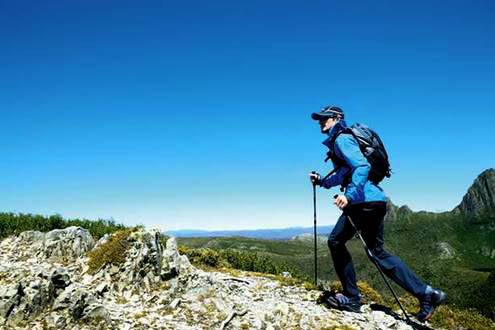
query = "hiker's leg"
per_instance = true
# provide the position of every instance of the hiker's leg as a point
(392, 266)
(342, 260)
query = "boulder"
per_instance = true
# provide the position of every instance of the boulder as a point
(445, 250)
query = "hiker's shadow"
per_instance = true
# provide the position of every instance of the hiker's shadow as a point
(389, 311)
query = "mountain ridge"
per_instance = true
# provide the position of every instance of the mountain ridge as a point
(478, 200)
(480, 197)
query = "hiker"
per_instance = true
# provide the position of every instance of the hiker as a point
(366, 204)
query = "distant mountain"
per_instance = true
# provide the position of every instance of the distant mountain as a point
(279, 234)
(480, 198)
(395, 212)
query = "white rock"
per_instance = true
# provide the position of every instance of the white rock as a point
(155, 284)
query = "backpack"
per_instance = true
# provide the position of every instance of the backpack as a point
(372, 148)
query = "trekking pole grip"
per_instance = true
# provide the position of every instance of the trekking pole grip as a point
(313, 181)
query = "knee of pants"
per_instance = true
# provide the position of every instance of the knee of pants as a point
(384, 259)
(379, 252)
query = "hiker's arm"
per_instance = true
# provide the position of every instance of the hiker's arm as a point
(359, 165)
(334, 179)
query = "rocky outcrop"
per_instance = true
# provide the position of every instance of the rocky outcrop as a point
(62, 245)
(45, 279)
(397, 213)
(480, 198)
(46, 282)
(445, 250)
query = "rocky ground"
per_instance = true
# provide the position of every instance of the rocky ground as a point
(47, 281)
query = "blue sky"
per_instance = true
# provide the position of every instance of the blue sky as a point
(193, 114)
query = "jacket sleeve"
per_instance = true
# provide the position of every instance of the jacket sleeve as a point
(360, 167)
(335, 179)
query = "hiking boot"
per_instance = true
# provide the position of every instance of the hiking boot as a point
(428, 304)
(344, 303)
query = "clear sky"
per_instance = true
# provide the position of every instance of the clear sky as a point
(196, 114)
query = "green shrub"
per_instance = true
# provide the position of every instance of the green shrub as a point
(204, 257)
(454, 318)
(241, 260)
(255, 262)
(484, 297)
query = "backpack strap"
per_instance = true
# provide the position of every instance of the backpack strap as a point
(331, 152)
(338, 162)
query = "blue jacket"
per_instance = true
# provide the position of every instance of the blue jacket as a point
(346, 149)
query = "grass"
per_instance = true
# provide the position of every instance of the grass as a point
(455, 318)
(113, 251)
(242, 260)
(275, 247)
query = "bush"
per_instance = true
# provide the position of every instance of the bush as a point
(454, 318)
(204, 257)
(241, 260)
(486, 297)
(255, 262)
(112, 251)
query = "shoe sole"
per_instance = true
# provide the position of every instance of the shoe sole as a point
(441, 300)
(351, 310)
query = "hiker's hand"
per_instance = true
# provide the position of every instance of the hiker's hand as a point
(341, 201)
(314, 178)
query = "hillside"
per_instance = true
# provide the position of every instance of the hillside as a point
(451, 250)
(64, 279)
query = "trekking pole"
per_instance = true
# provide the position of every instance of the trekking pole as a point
(372, 257)
(314, 225)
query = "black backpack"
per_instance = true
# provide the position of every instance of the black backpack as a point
(372, 148)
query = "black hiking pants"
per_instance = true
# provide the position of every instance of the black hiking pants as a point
(368, 217)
